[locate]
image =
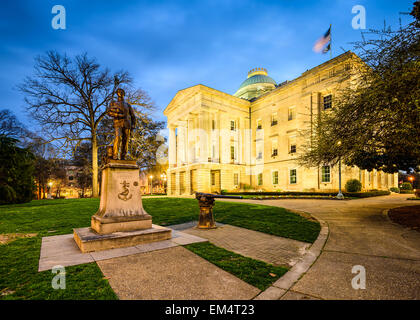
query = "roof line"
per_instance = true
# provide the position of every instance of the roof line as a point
(287, 82)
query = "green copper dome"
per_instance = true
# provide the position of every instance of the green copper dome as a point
(259, 78)
(257, 83)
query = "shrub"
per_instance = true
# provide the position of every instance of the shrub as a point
(353, 185)
(300, 193)
(16, 169)
(393, 189)
(368, 194)
(406, 186)
(7, 194)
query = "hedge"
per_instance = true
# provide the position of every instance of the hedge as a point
(326, 194)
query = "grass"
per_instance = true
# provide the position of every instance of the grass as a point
(20, 279)
(19, 276)
(272, 220)
(257, 273)
(330, 197)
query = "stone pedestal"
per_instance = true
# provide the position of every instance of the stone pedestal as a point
(121, 208)
(206, 218)
(121, 215)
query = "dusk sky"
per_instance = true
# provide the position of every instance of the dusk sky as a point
(171, 45)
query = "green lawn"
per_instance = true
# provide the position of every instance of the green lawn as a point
(271, 220)
(19, 278)
(257, 273)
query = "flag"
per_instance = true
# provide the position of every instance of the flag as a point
(327, 48)
(319, 45)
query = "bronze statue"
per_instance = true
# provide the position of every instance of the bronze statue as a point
(124, 122)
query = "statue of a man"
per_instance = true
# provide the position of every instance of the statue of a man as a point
(124, 122)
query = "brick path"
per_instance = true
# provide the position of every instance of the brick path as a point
(253, 244)
(359, 234)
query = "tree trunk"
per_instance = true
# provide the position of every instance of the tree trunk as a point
(94, 166)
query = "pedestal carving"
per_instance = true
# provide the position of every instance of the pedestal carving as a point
(121, 220)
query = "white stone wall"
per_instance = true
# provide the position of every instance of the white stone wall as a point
(195, 111)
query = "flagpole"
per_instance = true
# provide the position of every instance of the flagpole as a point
(330, 42)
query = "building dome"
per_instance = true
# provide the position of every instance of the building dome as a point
(257, 83)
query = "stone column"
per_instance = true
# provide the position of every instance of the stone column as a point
(181, 147)
(202, 120)
(172, 146)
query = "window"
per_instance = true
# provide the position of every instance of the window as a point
(213, 124)
(292, 144)
(71, 178)
(232, 125)
(327, 102)
(293, 177)
(275, 177)
(236, 179)
(274, 154)
(292, 113)
(273, 119)
(213, 178)
(260, 179)
(347, 67)
(325, 174)
(232, 152)
(259, 124)
(274, 148)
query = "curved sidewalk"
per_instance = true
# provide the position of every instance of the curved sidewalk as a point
(359, 235)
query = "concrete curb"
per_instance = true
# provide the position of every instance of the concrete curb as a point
(282, 285)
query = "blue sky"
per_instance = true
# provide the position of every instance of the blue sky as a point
(171, 45)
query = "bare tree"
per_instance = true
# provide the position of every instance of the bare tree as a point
(68, 97)
(375, 122)
(9, 125)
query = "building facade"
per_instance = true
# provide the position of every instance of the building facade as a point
(251, 140)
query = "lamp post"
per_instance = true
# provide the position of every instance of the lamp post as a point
(164, 183)
(151, 183)
(161, 182)
(411, 178)
(49, 196)
(340, 194)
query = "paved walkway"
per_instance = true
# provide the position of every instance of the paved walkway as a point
(360, 234)
(173, 273)
(257, 245)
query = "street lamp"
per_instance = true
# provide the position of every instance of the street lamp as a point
(411, 178)
(49, 190)
(340, 194)
(151, 183)
(162, 177)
